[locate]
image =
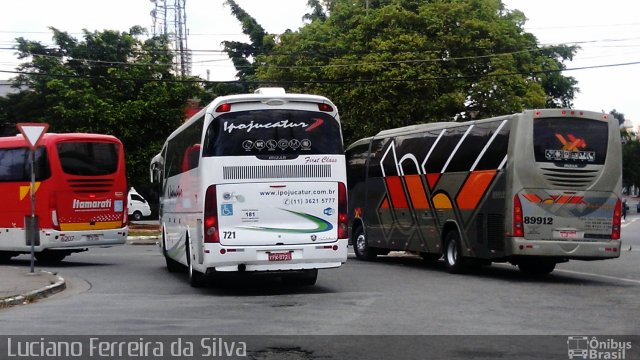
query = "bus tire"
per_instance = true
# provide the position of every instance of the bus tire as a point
(196, 278)
(51, 256)
(536, 267)
(5, 256)
(453, 260)
(360, 246)
(307, 278)
(172, 265)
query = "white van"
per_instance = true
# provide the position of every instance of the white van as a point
(138, 206)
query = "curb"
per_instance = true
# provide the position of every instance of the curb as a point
(54, 288)
(142, 240)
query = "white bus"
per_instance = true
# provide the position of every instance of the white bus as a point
(255, 183)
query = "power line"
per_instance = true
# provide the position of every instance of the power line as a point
(343, 81)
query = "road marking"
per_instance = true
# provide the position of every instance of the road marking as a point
(625, 224)
(633, 281)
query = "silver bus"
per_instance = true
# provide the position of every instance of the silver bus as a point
(534, 189)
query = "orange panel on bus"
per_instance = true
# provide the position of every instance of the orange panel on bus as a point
(416, 192)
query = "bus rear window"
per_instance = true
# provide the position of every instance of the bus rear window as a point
(572, 141)
(273, 132)
(15, 164)
(88, 158)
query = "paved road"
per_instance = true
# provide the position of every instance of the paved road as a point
(127, 291)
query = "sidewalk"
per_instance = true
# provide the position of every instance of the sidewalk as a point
(19, 285)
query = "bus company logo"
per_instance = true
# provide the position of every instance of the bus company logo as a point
(571, 143)
(81, 204)
(581, 347)
(283, 124)
(174, 192)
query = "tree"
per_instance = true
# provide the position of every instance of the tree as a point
(241, 53)
(630, 162)
(107, 82)
(391, 63)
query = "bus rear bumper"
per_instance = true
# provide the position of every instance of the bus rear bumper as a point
(578, 250)
(62, 240)
(257, 258)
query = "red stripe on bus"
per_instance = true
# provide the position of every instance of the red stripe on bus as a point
(396, 192)
(432, 179)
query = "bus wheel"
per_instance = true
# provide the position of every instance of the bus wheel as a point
(536, 267)
(360, 247)
(307, 278)
(453, 260)
(51, 256)
(5, 256)
(172, 265)
(196, 278)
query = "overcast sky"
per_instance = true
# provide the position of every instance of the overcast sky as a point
(607, 31)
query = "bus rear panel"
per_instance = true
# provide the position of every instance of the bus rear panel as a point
(568, 197)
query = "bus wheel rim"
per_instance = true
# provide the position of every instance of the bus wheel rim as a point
(361, 243)
(452, 253)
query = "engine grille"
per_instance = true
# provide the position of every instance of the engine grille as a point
(276, 172)
(569, 178)
(91, 185)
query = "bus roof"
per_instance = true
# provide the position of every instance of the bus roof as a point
(266, 96)
(19, 140)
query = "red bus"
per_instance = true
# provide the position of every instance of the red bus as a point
(80, 190)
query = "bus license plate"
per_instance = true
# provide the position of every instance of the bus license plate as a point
(93, 237)
(281, 256)
(568, 234)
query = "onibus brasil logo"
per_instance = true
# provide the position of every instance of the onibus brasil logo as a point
(584, 347)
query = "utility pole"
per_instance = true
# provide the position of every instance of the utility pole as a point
(170, 19)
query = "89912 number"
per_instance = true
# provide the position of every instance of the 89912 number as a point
(538, 220)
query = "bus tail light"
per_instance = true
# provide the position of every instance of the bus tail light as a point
(53, 205)
(325, 107)
(343, 230)
(211, 233)
(518, 228)
(617, 220)
(224, 107)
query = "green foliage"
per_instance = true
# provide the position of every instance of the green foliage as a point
(107, 82)
(391, 63)
(631, 162)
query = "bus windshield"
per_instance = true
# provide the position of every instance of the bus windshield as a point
(571, 141)
(88, 158)
(273, 132)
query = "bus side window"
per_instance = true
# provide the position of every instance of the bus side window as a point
(191, 158)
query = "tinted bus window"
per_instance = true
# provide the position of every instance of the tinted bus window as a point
(570, 141)
(88, 158)
(15, 164)
(273, 132)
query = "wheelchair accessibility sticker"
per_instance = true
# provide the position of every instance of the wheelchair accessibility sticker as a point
(226, 209)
